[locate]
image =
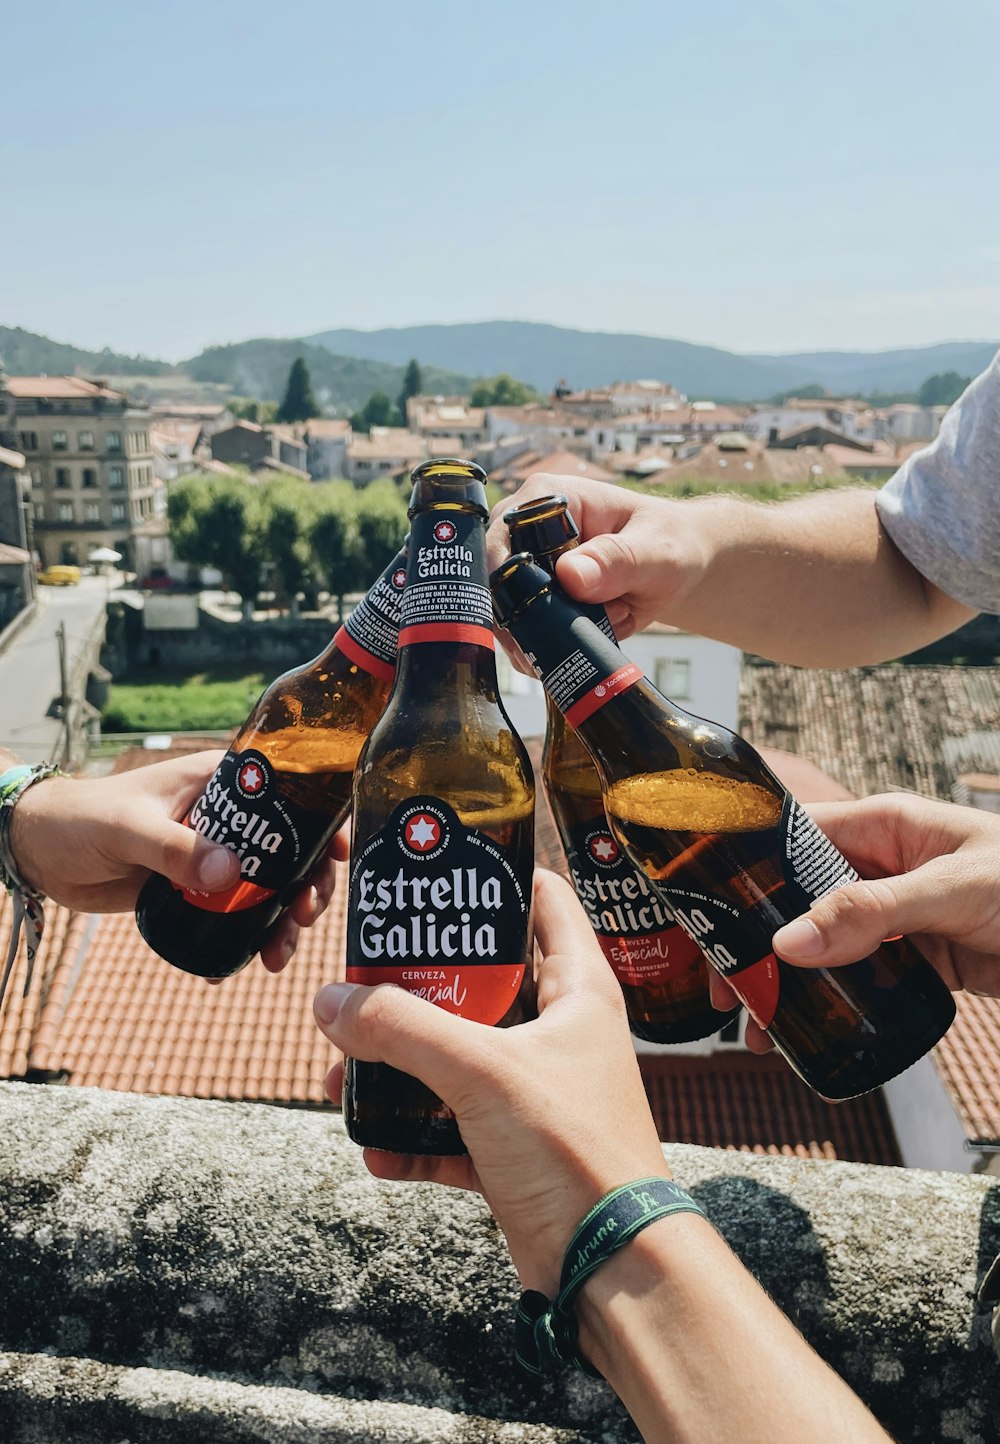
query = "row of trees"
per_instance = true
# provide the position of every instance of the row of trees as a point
(287, 535)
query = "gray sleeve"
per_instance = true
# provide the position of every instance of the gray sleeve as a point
(942, 508)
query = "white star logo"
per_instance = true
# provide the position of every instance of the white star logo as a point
(445, 531)
(422, 832)
(604, 848)
(399, 579)
(250, 778)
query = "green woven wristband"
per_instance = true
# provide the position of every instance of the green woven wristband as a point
(545, 1331)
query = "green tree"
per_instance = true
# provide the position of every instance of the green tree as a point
(382, 525)
(502, 390)
(378, 410)
(287, 506)
(942, 389)
(413, 385)
(247, 408)
(219, 522)
(299, 402)
(335, 541)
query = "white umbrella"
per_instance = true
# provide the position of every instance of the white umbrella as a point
(105, 554)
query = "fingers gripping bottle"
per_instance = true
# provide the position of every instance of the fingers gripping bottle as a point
(663, 975)
(281, 791)
(443, 843)
(732, 853)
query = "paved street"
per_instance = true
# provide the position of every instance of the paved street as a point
(29, 668)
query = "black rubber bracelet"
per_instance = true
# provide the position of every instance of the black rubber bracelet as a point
(545, 1331)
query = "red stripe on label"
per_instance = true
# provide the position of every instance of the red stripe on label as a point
(591, 701)
(446, 632)
(484, 992)
(234, 900)
(345, 643)
(653, 959)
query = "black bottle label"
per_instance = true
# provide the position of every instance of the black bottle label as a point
(581, 667)
(446, 597)
(735, 939)
(438, 909)
(370, 635)
(242, 808)
(644, 946)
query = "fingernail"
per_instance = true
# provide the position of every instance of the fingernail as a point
(215, 869)
(329, 1001)
(801, 938)
(587, 571)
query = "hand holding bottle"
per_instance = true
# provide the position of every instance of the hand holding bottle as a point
(554, 1116)
(90, 844)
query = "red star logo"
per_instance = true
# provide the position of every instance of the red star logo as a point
(445, 531)
(603, 848)
(251, 778)
(399, 578)
(422, 832)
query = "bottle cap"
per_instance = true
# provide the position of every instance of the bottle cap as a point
(541, 527)
(516, 584)
(449, 481)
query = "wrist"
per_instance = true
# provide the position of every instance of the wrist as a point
(30, 841)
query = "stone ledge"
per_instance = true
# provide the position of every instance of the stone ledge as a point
(235, 1271)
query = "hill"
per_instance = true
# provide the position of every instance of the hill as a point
(24, 353)
(342, 383)
(540, 354)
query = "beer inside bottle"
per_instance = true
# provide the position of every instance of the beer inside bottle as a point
(443, 837)
(663, 975)
(731, 852)
(281, 791)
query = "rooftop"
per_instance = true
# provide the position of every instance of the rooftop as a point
(60, 388)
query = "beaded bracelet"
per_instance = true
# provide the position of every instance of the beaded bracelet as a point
(27, 901)
(545, 1331)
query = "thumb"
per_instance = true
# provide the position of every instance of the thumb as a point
(386, 1024)
(852, 921)
(606, 567)
(182, 855)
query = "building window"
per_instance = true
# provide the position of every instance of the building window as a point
(39, 511)
(85, 440)
(116, 478)
(29, 440)
(59, 441)
(89, 476)
(731, 1033)
(62, 476)
(672, 677)
(91, 511)
(117, 511)
(65, 511)
(113, 441)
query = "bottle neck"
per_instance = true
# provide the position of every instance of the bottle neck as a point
(446, 622)
(369, 637)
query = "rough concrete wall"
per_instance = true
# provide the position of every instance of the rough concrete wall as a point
(183, 1271)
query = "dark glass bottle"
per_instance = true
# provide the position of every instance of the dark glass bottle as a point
(443, 840)
(663, 975)
(730, 850)
(281, 791)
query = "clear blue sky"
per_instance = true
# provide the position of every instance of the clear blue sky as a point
(783, 175)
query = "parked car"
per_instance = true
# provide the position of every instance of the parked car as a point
(157, 580)
(59, 576)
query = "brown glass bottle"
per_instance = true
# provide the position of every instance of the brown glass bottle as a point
(731, 851)
(281, 791)
(443, 839)
(662, 973)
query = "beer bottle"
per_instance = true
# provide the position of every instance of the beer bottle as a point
(732, 853)
(281, 791)
(663, 975)
(443, 834)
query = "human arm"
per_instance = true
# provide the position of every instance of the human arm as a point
(554, 1116)
(815, 581)
(929, 871)
(90, 843)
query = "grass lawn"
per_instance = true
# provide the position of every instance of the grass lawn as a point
(162, 700)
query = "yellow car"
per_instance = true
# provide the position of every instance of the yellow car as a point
(62, 576)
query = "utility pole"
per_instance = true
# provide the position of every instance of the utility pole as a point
(64, 699)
